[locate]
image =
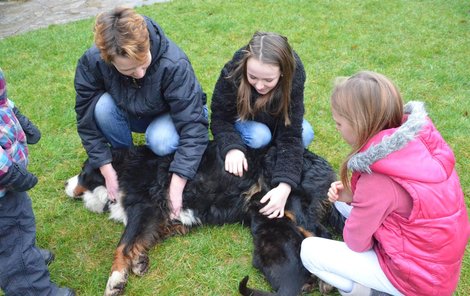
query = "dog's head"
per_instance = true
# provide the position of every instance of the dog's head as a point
(89, 186)
(87, 181)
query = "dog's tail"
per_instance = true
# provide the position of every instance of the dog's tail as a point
(245, 291)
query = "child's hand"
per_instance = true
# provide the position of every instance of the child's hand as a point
(235, 162)
(337, 193)
(18, 179)
(33, 134)
(277, 201)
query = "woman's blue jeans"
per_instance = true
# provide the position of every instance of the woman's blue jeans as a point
(257, 135)
(117, 126)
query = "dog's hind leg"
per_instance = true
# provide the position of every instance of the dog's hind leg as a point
(147, 225)
(134, 258)
(119, 273)
(127, 257)
(139, 252)
(131, 253)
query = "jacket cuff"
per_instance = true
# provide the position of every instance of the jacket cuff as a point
(226, 149)
(276, 180)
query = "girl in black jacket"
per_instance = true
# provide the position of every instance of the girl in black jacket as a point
(135, 79)
(258, 100)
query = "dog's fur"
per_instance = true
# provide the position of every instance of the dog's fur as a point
(214, 196)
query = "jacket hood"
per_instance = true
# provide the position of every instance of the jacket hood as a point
(158, 41)
(415, 150)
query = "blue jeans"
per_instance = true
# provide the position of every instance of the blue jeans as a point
(22, 268)
(117, 126)
(257, 135)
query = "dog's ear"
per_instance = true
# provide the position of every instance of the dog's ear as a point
(255, 201)
(90, 178)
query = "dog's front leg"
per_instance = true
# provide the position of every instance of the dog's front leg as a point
(119, 273)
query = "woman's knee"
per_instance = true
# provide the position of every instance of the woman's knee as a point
(161, 136)
(107, 113)
(103, 106)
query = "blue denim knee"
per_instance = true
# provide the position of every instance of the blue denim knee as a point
(161, 135)
(113, 122)
(307, 133)
(256, 135)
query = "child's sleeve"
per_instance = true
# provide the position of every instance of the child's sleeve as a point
(14, 176)
(33, 134)
(5, 163)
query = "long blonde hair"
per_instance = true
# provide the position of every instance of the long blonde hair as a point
(122, 32)
(370, 102)
(273, 49)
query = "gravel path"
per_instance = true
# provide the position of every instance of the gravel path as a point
(20, 16)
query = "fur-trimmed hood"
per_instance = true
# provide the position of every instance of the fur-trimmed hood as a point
(415, 150)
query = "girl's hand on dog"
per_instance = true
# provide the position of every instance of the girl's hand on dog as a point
(277, 200)
(338, 193)
(112, 184)
(235, 162)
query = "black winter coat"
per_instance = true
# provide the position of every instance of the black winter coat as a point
(288, 139)
(169, 85)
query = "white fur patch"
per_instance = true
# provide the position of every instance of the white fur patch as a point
(116, 211)
(115, 281)
(96, 201)
(70, 186)
(187, 218)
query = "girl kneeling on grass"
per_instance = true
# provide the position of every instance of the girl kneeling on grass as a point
(407, 224)
(258, 101)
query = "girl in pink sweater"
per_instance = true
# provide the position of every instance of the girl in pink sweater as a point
(407, 225)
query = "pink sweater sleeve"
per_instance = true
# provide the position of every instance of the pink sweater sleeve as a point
(376, 196)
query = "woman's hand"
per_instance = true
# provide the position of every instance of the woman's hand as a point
(111, 181)
(338, 193)
(175, 195)
(277, 200)
(235, 162)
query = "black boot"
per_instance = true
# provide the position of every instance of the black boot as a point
(47, 255)
(65, 292)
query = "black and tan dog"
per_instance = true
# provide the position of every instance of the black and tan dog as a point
(277, 241)
(212, 197)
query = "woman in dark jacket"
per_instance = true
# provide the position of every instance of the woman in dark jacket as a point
(134, 79)
(259, 100)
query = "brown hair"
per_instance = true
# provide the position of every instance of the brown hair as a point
(370, 102)
(273, 49)
(122, 32)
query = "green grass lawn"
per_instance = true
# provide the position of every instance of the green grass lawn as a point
(422, 45)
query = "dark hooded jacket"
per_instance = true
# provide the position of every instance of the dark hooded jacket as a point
(288, 139)
(169, 86)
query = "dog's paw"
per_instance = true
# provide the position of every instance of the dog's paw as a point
(140, 265)
(116, 283)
